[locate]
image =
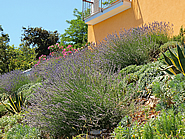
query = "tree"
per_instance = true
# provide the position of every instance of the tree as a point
(25, 57)
(6, 52)
(39, 38)
(76, 34)
(12, 58)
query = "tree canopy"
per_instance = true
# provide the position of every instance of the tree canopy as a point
(6, 51)
(12, 58)
(76, 33)
(39, 38)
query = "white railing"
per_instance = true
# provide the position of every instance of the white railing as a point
(91, 7)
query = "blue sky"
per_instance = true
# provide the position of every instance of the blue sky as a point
(48, 14)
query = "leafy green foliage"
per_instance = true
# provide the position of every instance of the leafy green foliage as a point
(20, 131)
(22, 58)
(25, 57)
(108, 2)
(169, 44)
(28, 89)
(139, 78)
(7, 122)
(130, 69)
(163, 49)
(2, 110)
(181, 37)
(171, 92)
(124, 130)
(40, 38)
(6, 52)
(76, 34)
(12, 58)
(166, 125)
(169, 124)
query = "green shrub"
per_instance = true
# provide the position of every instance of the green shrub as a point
(171, 92)
(124, 129)
(166, 125)
(169, 124)
(131, 69)
(137, 78)
(181, 37)
(170, 44)
(28, 90)
(2, 110)
(149, 79)
(23, 132)
(7, 122)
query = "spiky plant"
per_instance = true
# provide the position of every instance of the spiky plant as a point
(15, 104)
(176, 64)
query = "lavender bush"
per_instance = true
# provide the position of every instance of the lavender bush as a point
(136, 45)
(76, 96)
(12, 81)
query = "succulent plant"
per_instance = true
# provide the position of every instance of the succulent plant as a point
(176, 64)
(15, 103)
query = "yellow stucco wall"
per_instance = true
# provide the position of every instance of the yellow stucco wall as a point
(141, 12)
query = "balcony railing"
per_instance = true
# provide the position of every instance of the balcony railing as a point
(93, 7)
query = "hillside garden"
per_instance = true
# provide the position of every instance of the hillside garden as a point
(131, 85)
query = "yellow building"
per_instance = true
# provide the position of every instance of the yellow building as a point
(109, 16)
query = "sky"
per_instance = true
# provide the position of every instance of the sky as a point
(51, 15)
